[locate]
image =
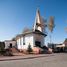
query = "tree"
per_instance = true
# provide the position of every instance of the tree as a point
(14, 39)
(26, 30)
(2, 46)
(29, 49)
(51, 25)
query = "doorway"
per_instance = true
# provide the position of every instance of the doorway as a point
(38, 43)
(10, 45)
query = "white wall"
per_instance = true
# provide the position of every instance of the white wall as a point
(18, 43)
(39, 38)
(28, 39)
(7, 43)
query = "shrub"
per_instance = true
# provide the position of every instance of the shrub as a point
(29, 49)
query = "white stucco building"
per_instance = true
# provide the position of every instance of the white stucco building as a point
(9, 44)
(34, 37)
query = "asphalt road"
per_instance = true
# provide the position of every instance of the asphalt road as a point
(55, 60)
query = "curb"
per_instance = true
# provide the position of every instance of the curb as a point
(10, 59)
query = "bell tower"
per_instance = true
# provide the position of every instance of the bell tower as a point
(39, 22)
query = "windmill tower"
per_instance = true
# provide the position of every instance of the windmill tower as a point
(39, 24)
(39, 29)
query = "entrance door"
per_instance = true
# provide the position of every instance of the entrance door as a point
(10, 45)
(38, 43)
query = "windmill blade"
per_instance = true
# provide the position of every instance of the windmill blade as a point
(51, 24)
(66, 29)
(43, 22)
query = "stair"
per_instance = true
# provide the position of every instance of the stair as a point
(14, 50)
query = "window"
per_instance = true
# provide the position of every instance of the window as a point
(23, 40)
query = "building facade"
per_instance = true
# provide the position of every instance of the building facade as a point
(34, 37)
(9, 44)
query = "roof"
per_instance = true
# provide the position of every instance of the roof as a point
(30, 32)
(65, 42)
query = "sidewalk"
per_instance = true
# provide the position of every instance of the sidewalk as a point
(24, 57)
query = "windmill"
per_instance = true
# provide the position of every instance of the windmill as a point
(51, 25)
(40, 22)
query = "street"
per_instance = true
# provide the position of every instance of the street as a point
(54, 60)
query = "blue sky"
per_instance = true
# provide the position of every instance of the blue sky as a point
(15, 15)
